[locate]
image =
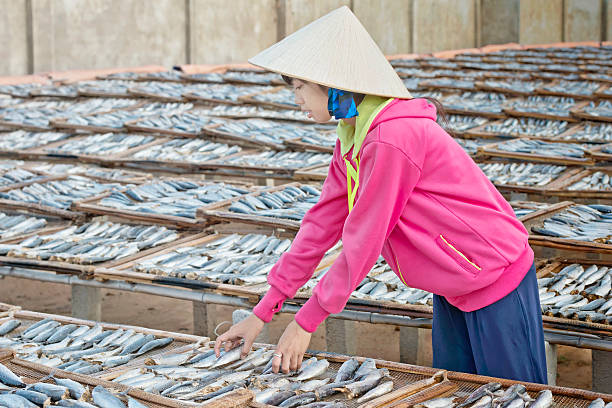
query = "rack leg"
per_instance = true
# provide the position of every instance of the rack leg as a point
(551, 362)
(415, 346)
(340, 336)
(602, 371)
(86, 302)
(200, 319)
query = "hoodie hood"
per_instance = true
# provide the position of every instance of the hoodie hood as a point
(406, 108)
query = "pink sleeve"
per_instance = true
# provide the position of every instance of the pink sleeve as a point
(387, 178)
(319, 231)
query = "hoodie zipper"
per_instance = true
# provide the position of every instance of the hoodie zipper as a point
(397, 265)
(460, 253)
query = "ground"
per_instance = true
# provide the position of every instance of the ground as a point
(574, 365)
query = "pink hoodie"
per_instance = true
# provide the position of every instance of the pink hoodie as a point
(424, 205)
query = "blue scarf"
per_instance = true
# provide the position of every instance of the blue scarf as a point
(341, 104)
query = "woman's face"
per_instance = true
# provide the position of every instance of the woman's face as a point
(312, 99)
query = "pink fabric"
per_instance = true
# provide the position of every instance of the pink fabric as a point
(419, 193)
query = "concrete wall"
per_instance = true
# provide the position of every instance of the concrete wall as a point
(42, 35)
(499, 21)
(69, 34)
(388, 21)
(14, 48)
(238, 32)
(443, 25)
(582, 20)
(540, 21)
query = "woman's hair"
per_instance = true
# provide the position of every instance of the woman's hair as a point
(442, 115)
(358, 97)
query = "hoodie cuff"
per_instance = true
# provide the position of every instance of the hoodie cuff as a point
(271, 303)
(311, 315)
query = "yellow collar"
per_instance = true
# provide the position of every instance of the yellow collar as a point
(354, 137)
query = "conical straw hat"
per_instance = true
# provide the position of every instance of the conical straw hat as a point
(335, 51)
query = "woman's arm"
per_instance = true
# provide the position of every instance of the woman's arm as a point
(388, 177)
(320, 230)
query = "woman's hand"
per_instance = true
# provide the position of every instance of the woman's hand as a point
(291, 347)
(247, 330)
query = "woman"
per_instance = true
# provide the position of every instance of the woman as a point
(399, 185)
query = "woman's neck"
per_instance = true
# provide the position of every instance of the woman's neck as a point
(350, 121)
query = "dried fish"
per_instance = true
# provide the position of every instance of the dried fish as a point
(276, 131)
(224, 92)
(186, 150)
(187, 122)
(600, 109)
(101, 144)
(237, 259)
(550, 105)
(512, 127)
(91, 243)
(521, 174)
(485, 102)
(271, 158)
(59, 193)
(171, 197)
(582, 88)
(244, 111)
(591, 132)
(283, 96)
(461, 123)
(21, 140)
(290, 203)
(590, 223)
(597, 181)
(549, 149)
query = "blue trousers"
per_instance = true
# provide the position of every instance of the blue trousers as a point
(504, 339)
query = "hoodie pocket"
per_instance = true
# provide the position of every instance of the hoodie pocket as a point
(458, 256)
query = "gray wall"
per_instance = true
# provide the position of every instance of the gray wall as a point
(55, 35)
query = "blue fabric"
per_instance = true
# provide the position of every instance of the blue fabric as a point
(504, 339)
(341, 104)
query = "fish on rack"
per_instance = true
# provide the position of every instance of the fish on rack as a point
(13, 225)
(59, 193)
(599, 109)
(233, 259)
(514, 85)
(100, 144)
(284, 96)
(291, 203)
(582, 88)
(17, 175)
(592, 132)
(597, 181)
(21, 140)
(280, 159)
(461, 123)
(578, 291)
(521, 174)
(118, 118)
(271, 131)
(90, 243)
(589, 223)
(199, 376)
(486, 102)
(187, 150)
(548, 149)
(527, 127)
(550, 105)
(225, 92)
(113, 86)
(39, 114)
(188, 122)
(179, 198)
(248, 111)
